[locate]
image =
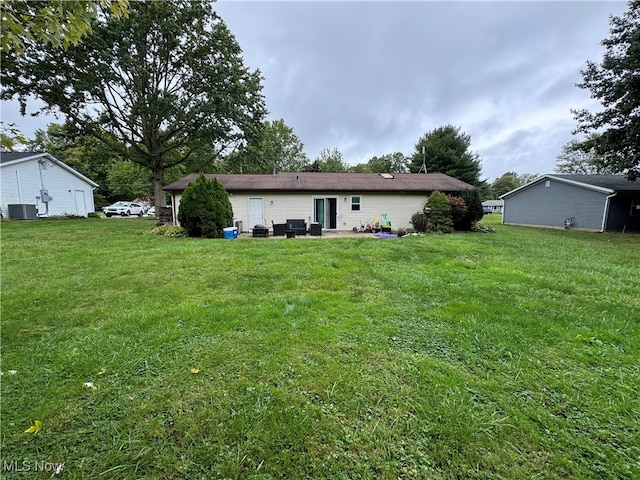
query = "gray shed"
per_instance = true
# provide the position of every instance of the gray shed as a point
(585, 202)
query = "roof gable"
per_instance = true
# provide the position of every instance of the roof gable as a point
(12, 158)
(15, 157)
(331, 182)
(611, 182)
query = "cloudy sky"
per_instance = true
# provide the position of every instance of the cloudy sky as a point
(372, 77)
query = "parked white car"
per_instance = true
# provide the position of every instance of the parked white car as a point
(124, 209)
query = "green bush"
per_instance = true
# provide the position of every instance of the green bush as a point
(205, 209)
(474, 208)
(459, 212)
(440, 217)
(169, 230)
(419, 221)
(64, 216)
(482, 228)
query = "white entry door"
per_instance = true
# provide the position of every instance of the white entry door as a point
(81, 206)
(256, 212)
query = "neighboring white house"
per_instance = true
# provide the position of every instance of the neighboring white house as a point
(36, 184)
(496, 206)
(336, 201)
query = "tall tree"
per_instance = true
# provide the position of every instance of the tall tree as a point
(59, 23)
(510, 181)
(128, 180)
(360, 168)
(331, 160)
(576, 158)
(525, 178)
(163, 85)
(447, 150)
(615, 83)
(507, 182)
(275, 146)
(390, 163)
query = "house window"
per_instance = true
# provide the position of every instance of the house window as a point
(635, 207)
(356, 203)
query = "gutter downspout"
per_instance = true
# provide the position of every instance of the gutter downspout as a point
(19, 186)
(93, 197)
(605, 215)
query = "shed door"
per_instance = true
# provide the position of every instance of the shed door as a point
(81, 207)
(256, 212)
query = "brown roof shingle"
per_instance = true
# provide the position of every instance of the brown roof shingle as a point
(331, 182)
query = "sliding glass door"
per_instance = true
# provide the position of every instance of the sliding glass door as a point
(325, 212)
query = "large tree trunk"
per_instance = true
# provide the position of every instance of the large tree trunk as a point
(158, 184)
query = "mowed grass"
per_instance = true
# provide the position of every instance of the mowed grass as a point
(506, 355)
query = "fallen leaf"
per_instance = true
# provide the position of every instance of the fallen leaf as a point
(35, 428)
(195, 370)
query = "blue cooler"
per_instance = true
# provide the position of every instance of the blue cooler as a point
(230, 232)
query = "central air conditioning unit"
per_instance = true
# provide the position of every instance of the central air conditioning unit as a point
(23, 211)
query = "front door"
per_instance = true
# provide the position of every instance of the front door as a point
(256, 212)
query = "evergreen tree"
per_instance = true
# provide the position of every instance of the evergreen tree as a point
(447, 150)
(440, 215)
(205, 209)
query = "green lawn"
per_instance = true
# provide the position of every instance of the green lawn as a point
(507, 355)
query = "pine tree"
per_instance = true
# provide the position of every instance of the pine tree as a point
(447, 150)
(205, 209)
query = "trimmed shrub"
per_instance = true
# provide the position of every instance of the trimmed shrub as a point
(459, 212)
(482, 228)
(168, 230)
(419, 221)
(205, 209)
(474, 208)
(440, 219)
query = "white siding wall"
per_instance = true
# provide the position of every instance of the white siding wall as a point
(280, 206)
(398, 207)
(20, 183)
